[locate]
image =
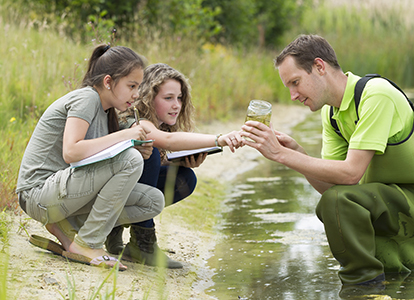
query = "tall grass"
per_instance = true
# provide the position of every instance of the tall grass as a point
(4, 253)
(368, 36)
(37, 68)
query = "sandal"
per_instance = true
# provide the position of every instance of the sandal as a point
(46, 244)
(99, 261)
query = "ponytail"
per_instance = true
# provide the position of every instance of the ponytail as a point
(116, 62)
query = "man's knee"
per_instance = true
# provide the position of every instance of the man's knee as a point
(327, 204)
(338, 198)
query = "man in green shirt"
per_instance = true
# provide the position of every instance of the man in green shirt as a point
(366, 177)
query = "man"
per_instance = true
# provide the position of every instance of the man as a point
(367, 203)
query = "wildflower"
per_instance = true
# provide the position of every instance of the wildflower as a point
(12, 120)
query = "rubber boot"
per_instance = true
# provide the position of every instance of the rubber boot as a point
(142, 248)
(114, 243)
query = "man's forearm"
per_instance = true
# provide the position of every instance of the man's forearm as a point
(320, 186)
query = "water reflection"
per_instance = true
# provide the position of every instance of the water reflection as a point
(275, 247)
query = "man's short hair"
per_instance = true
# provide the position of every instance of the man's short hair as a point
(305, 48)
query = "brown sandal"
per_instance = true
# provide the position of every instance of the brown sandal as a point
(46, 244)
(99, 261)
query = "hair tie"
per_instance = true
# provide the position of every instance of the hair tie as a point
(106, 48)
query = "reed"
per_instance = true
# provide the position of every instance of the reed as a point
(4, 254)
(368, 36)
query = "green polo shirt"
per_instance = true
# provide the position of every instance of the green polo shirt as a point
(384, 117)
(385, 121)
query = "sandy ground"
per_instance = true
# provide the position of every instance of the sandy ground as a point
(38, 274)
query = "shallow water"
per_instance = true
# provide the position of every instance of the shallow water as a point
(274, 245)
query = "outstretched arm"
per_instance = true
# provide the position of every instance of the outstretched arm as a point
(176, 141)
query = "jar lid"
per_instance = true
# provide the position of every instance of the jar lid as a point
(260, 104)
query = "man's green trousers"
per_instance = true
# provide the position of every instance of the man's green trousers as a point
(370, 229)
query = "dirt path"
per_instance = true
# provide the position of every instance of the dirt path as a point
(37, 274)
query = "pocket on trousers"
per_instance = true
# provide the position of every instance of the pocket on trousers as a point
(37, 212)
(76, 183)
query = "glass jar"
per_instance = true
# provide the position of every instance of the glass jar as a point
(259, 110)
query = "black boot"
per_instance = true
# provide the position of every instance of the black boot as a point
(114, 243)
(142, 248)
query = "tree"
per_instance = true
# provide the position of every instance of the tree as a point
(245, 23)
(255, 22)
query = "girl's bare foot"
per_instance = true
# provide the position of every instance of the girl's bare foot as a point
(94, 253)
(72, 247)
(88, 252)
(55, 230)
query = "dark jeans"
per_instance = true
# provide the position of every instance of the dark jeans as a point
(155, 175)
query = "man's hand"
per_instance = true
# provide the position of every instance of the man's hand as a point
(287, 141)
(264, 139)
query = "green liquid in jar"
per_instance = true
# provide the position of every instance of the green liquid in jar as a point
(265, 119)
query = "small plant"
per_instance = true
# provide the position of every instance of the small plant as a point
(96, 293)
(22, 226)
(4, 253)
(73, 82)
(4, 231)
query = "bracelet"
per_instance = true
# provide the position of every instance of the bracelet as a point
(217, 137)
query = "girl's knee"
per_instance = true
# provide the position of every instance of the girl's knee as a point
(133, 159)
(192, 179)
(158, 201)
(133, 155)
(186, 179)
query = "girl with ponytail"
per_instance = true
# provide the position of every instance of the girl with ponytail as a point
(80, 206)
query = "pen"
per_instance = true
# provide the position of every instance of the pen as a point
(136, 113)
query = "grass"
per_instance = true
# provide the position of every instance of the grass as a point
(4, 254)
(96, 292)
(368, 36)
